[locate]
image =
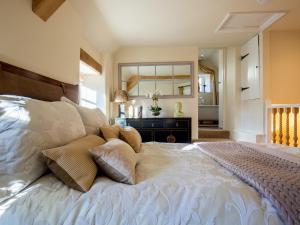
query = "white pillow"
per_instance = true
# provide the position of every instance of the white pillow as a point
(92, 119)
(28, 126)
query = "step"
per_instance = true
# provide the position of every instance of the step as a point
(211, 140)
(213, 133)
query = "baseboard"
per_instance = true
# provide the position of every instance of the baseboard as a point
(254, 137)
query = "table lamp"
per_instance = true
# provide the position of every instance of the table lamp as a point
(121, 97)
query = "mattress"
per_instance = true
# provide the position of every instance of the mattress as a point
(176, 184)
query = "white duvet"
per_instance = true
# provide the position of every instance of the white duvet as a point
(176, 184)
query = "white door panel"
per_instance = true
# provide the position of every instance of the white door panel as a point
(250, 78)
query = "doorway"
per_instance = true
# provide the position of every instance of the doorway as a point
(209, 95)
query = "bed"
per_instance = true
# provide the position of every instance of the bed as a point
(176, 184)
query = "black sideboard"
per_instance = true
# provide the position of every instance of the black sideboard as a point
(177, 130)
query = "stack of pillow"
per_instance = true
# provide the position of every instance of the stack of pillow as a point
(111, 149)
(75, 141)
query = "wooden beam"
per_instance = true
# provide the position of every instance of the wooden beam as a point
(45, 8)
(85, 57)
(134, 79)
(162, 77)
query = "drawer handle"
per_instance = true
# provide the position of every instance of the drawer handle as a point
(171, 139)
(177, 125)
(152, 124)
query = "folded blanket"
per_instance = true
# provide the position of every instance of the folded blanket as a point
(276, 178)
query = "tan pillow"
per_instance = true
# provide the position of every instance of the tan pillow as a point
(73, 164)
(91, 118)
(132, 137)
(117, 159)
(109, 132)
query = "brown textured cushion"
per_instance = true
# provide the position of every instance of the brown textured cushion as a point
(72, 163)
(109, 132)
(132, 137)
(117, 159)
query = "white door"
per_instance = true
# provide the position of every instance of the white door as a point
(250, 78)
(221, 87)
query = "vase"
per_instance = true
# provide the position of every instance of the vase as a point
(155, 113)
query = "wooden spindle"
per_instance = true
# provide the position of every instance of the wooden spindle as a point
(295, 112)
(280, 110)
(287, 135)
(274, 111)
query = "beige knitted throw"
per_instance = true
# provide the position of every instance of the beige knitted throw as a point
(275, 178)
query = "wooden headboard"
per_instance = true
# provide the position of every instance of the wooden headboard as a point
(18, 81)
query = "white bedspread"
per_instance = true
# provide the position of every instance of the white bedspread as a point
(176, 184)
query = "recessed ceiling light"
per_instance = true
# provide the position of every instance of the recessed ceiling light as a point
(248, 21)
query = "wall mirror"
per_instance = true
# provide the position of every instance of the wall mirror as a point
(172, 79)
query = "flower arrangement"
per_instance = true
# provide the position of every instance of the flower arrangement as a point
(154, 108)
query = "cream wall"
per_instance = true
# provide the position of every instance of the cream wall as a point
(283, 62)
(91, 50)
(50, 48)
(163, 54)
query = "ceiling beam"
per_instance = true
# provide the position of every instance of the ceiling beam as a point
(86, 58)
(45, 8)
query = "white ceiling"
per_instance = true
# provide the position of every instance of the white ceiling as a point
(180, 22)
(94, 27)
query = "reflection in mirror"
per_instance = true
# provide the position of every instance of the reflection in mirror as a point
(204, 83)
(147, 70)
(134, 91)
(182, 70)
(182, 87)
(164, 79)
(128, 71)
(146, 80)
(171, 79)
(146, 86)
(165, 87)
(124, 85)
(164, 70)
(126, 79)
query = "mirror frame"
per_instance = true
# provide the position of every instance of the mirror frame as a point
(174, 63)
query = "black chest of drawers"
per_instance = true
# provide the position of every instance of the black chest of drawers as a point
(163, 129)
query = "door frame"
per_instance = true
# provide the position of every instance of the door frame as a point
(222, 82)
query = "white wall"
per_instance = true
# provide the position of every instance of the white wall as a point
(163, 54)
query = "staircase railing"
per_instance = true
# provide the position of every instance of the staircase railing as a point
(285, 124)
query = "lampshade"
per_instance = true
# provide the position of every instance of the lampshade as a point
(121, 96)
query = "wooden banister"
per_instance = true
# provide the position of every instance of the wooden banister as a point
(295, 112)
(285, 124)
(280, 111)
(274, 111)
(287, 136)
